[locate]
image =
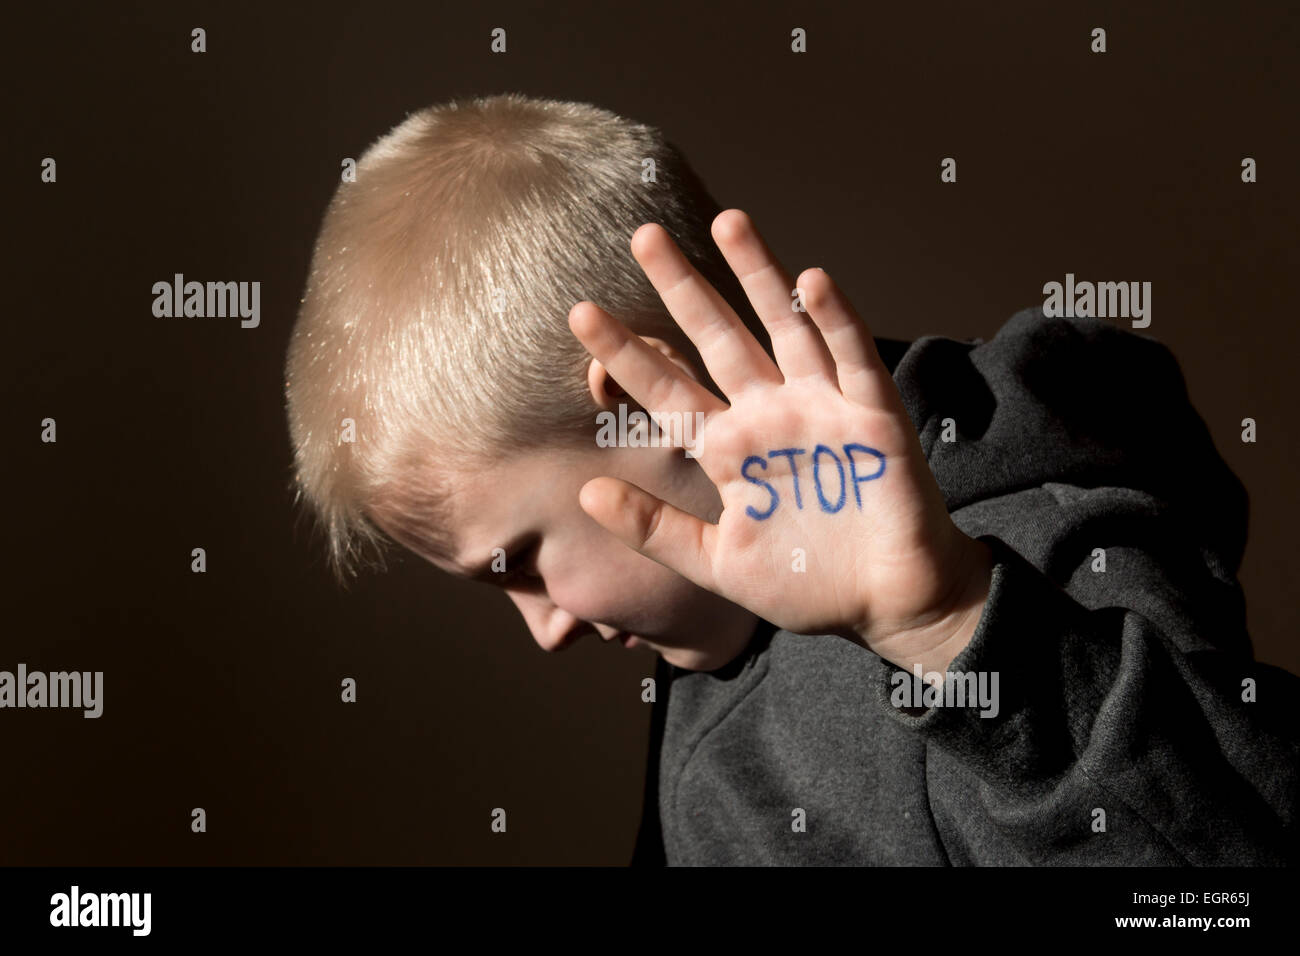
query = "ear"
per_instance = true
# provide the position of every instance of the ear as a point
(607, 393)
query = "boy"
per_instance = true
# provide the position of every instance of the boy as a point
(981, 610)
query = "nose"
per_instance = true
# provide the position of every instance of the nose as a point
(553, 628)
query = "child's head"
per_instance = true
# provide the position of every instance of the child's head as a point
(436, 395)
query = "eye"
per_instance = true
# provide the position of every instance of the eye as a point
(518, 574)
(521, 569)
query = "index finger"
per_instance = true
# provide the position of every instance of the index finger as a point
(645, 373)
(734, 358)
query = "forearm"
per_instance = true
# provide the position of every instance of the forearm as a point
(1105, 742)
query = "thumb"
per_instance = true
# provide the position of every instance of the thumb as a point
(677, 540)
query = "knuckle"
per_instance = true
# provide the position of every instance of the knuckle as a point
(652, 522)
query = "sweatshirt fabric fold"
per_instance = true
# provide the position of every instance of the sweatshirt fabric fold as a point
(1107, 711)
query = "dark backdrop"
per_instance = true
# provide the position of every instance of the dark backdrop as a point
(222, 689)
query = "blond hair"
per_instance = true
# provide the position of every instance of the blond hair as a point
(435, 312)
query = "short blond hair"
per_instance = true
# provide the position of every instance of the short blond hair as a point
(435, 315)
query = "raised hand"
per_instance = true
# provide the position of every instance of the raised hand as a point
(832, 522)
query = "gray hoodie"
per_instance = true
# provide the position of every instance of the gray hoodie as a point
(1122, 718)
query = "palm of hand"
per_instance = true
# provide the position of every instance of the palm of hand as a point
(832, 521)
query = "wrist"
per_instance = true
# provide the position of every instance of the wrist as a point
(934, 645)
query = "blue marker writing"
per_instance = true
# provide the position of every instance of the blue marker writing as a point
(790, 453)
(853, 468)
(749, 510)
(817, 480)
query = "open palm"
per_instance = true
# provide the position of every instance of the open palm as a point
(831, 520)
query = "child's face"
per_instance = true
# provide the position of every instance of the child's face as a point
(569, 576)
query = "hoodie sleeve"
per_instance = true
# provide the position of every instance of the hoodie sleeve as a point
(1124, 720)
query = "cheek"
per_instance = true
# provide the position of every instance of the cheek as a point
(607, 582)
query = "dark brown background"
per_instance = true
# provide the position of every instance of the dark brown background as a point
(222, 690)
